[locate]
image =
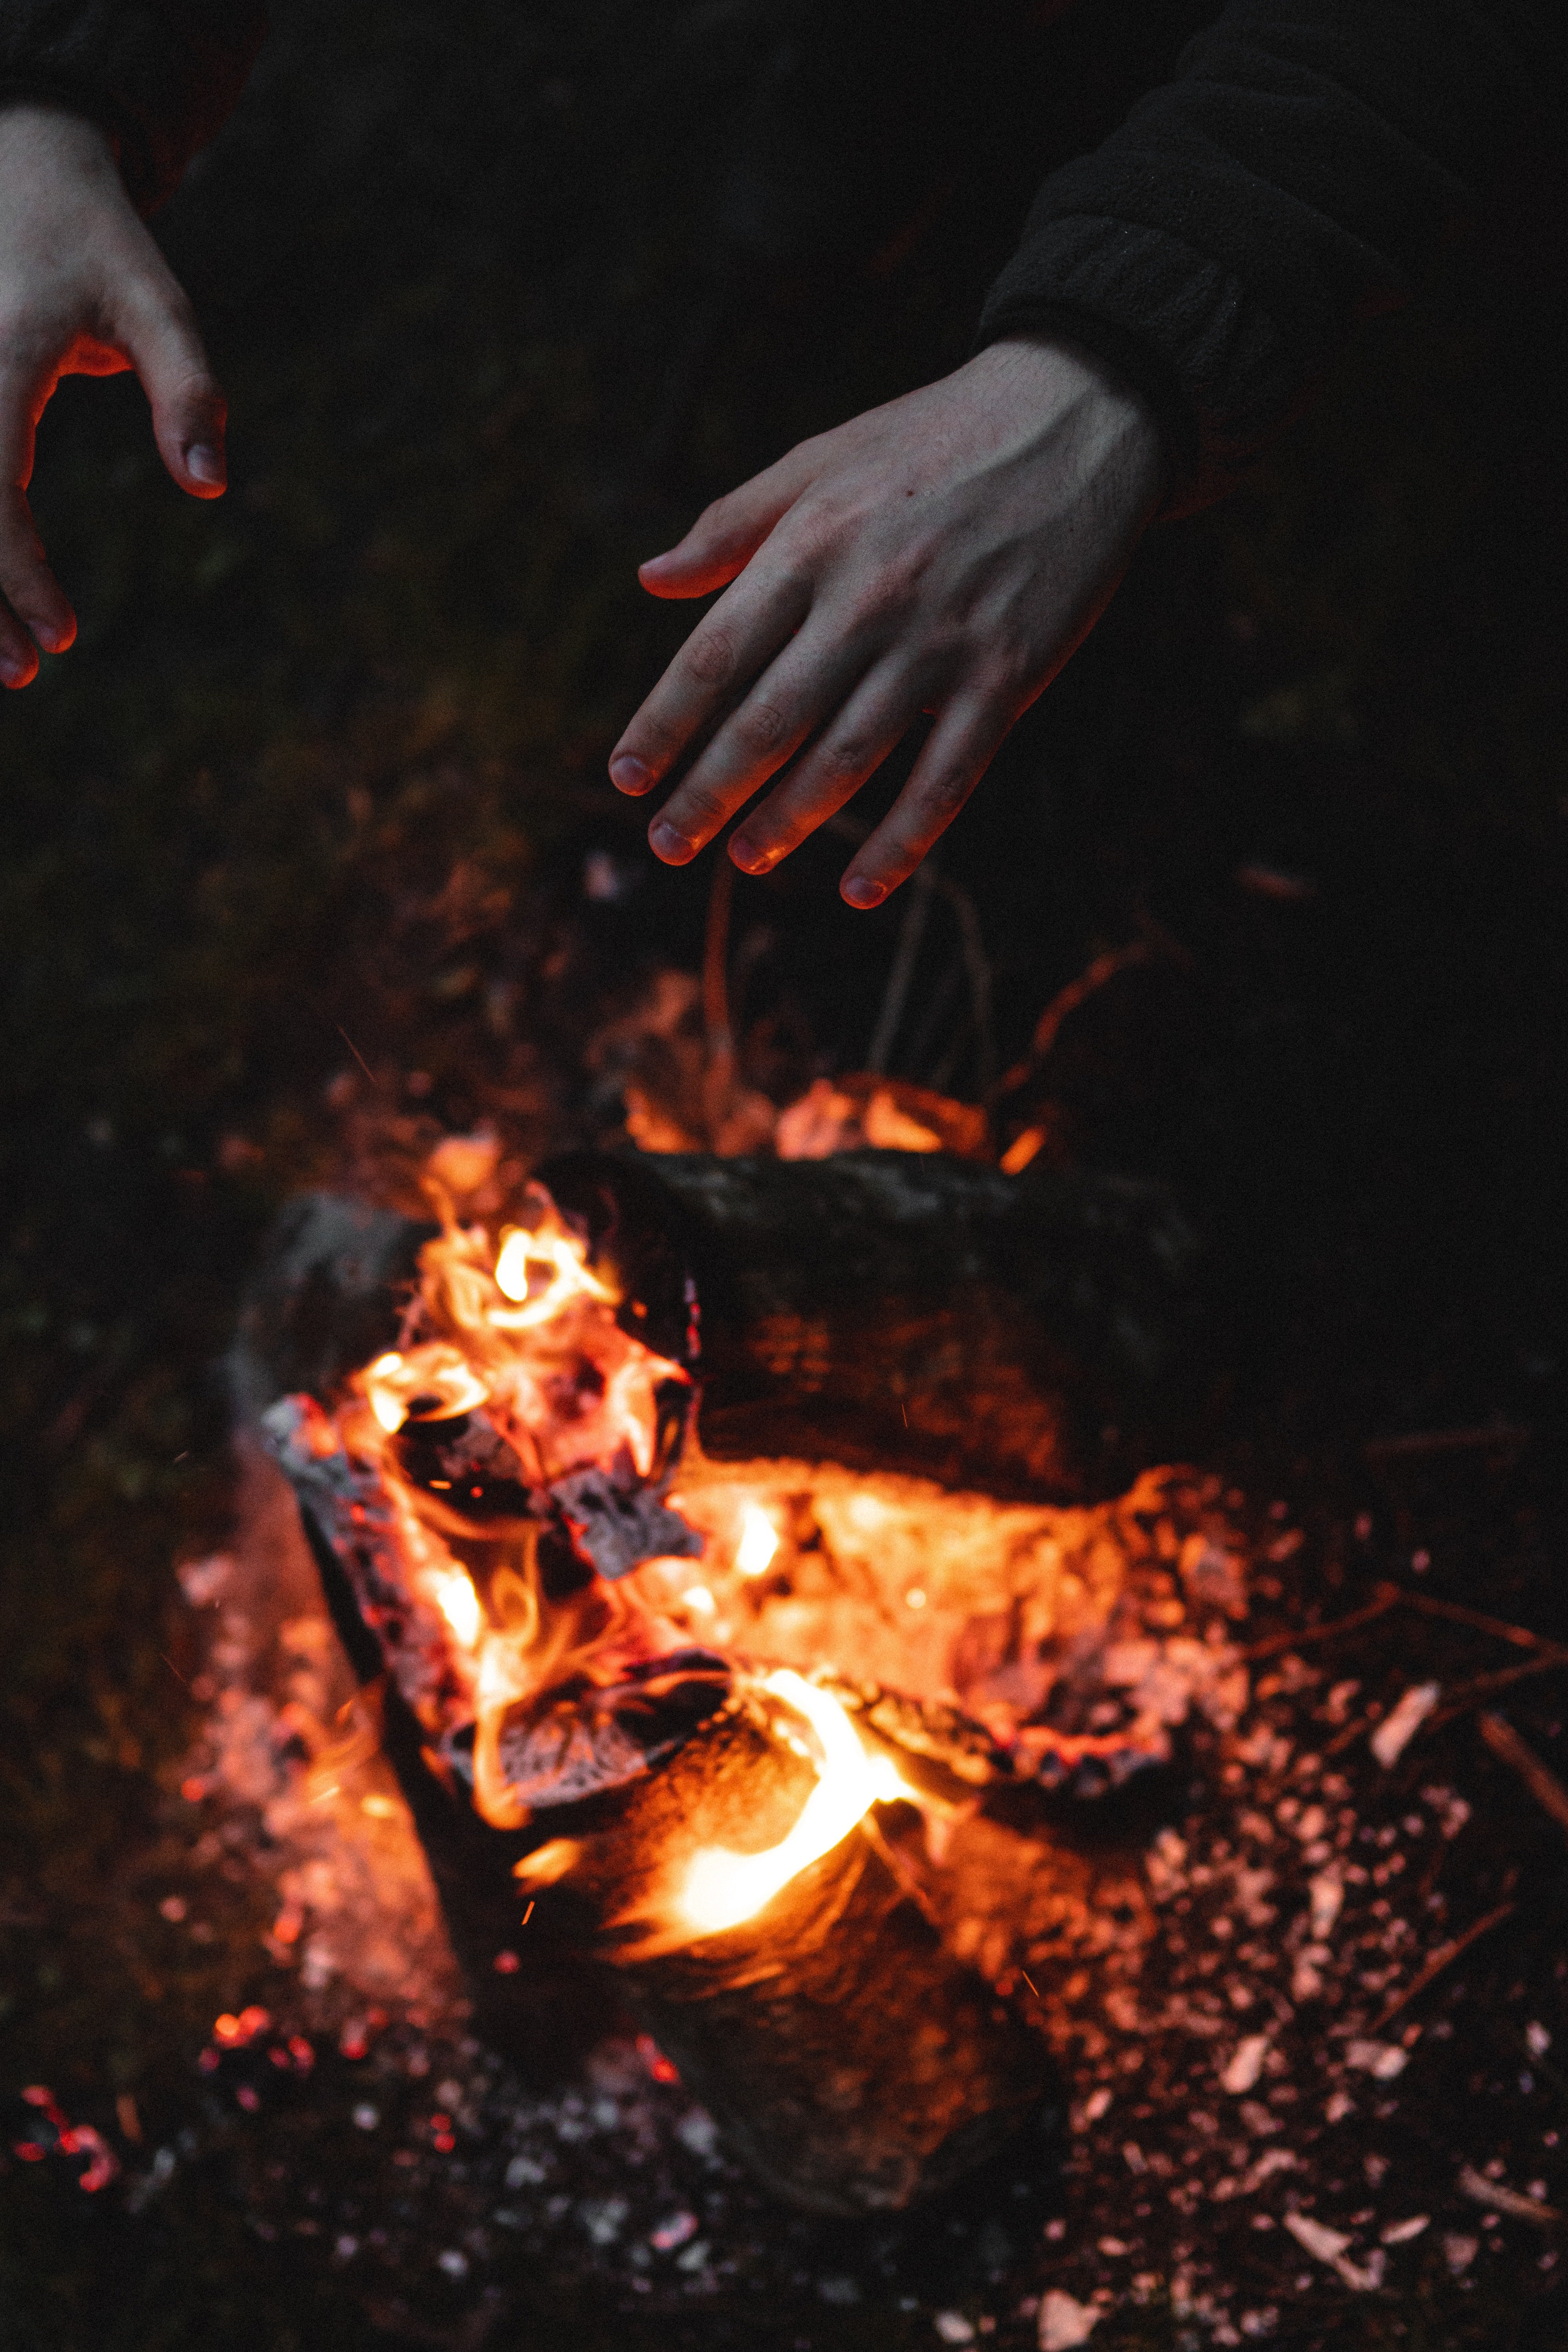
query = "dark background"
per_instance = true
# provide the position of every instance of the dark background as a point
(500, 298)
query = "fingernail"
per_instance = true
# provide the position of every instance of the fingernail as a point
(749, 859)
(11, 673)
(665, 842)
(205, 463)
(859, 890)
(629, 775)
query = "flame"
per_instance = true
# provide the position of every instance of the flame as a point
(723, 1889)
(543, 1270)
(437, 1377)
(459, 1605)
(759, 1541)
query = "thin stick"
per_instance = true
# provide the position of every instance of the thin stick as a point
(1443, 1958)
(1470, 1695)
(1444, 1441)
(1520, 1635)
(896, 994)
(1067, 1000)
(719, 1075)
(1542, 1783)
(354, 1050)
(716, 959)
(979, 971)
(1389, 1597)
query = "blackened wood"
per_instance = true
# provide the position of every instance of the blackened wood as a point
(902, 1310)
(853, 2063)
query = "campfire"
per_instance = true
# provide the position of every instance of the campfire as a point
(708, 1742)
(700, 1798)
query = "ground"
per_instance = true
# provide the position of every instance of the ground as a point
(295, 852)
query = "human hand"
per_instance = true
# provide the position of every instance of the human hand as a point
(945, 553)
(83, 291)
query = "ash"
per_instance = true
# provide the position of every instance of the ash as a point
(1245, 1960)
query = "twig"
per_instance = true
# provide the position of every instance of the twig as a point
(903, 969)
(979, 971)
(929, 1026)
(1470, 1695)
(718, 1076)
(354, 1050)
(1389, 1596)
(1520, 1635)
(976, 962)
(1444, 1957)
(1542, 1783)
(1442, 1440)
(1067, 1000)
(716, 959)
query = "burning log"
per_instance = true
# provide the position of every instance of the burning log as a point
(886, 1310)
(489, 1503)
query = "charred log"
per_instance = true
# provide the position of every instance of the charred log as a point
(884, 1309)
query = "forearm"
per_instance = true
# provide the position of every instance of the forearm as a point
(1292, 178)
(160, 77)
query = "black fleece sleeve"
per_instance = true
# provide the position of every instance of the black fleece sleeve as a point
(1289, 179)
(161, 76)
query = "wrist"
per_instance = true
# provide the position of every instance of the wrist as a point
(1054, 373)
(37, 129)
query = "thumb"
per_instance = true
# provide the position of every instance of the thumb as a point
(158, 332)
(726, 535)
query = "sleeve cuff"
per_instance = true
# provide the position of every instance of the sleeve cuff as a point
(1176, 325)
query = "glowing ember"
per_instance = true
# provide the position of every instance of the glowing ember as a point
(723, 1889)
(759, 1541)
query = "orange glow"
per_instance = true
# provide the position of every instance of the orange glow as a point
(759, 1541)
(723, 1889)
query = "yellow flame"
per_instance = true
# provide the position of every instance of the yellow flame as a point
(543, 1270)
(393, 1381)
(759, 1541)
(459, 1605)
(723, 1889)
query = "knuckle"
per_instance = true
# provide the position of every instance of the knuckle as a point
(701, 806)
(844, 757)
(710, 657)
(758, 726)
(946, 791)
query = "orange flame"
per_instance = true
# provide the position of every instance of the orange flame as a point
(517, 1324)
(722, 1890)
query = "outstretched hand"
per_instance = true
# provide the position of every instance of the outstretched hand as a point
(83, 291)
(943, 554)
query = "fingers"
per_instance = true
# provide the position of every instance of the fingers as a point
(853, 746)
(730, 647)
(817, 672)
(961, 746)
(159, 334)
(39, 606)
(726, 535)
